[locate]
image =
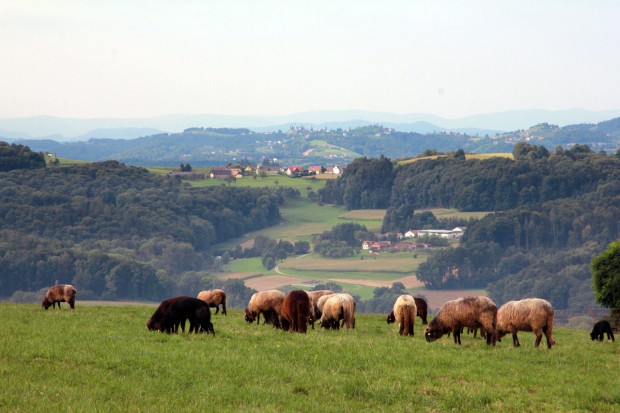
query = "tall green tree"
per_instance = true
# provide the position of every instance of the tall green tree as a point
(606, 276)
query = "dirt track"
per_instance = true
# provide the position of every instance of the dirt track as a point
(435, 298)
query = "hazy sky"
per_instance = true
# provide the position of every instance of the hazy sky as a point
(125, 58)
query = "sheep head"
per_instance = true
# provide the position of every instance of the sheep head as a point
(152, 324)
(391, 318)
(249, 316)
(435, 331)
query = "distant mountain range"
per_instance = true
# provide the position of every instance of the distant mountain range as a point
(70, 129)
(304, 145)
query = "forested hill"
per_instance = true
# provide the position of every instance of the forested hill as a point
(116, 231)
(307, 146)
(557, 210)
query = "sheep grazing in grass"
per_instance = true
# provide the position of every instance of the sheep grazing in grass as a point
(268, 303)
(472, 312)
(338, 307)
(154, 322)
(58, 294)
(175, 311)
(404, 312)
(600, 329)
(530, 314)
(318, 306)
(314, 297)
(295, 312)
(214, 298)
(422, 308)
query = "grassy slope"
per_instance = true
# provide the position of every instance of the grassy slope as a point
(104, 359)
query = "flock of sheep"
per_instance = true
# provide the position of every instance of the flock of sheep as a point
(298, 309)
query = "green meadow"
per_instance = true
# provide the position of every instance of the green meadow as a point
(270, 181)
(103, 359)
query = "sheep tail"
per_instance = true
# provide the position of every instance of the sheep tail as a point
(548, 330)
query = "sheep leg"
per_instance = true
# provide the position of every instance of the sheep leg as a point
(515, 339)
(217, 309)
(223, 308)
(457, 336)
(538, 337)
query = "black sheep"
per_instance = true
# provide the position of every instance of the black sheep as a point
(599, 330)
(177, 310)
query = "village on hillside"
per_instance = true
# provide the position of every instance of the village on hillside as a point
(382, 244)
(238, 171)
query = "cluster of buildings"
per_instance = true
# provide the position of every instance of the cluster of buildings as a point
(384, 245)
(225, 172)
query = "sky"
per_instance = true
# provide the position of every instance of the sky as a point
(93, 59)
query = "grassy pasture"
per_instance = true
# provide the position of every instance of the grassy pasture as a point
(103, 359)
(468, 156)
(300, 220)
(267, 182)
(453, 213)
(388, 265)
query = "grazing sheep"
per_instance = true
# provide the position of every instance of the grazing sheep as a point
(214, 298)
(269, 303)
(314, 297)
(422, 307)
(318, 306)
(59, 293)
(599, 330)
(295, 312)
(179, 309)
(404, 312)
(530, 314)
(469, 312)
(338, 307)
(154, 323)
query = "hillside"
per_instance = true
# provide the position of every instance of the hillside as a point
(553, 211)
(299, 145)
(117, 231)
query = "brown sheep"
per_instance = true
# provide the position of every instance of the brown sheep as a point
(214, 298)
(314, 297)
(59, 293)
(530, 314)
(404, 312)
(318, 306)
(295, 312)
(269, 303)
(469, 312)
(422, 308)
(338, 307)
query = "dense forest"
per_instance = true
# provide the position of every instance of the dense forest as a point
(554, 211)
(116, 231)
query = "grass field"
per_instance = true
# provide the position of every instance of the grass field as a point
(467, 156)
(270, 181)
(388, 265)
(301, 219)
(104, 359)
